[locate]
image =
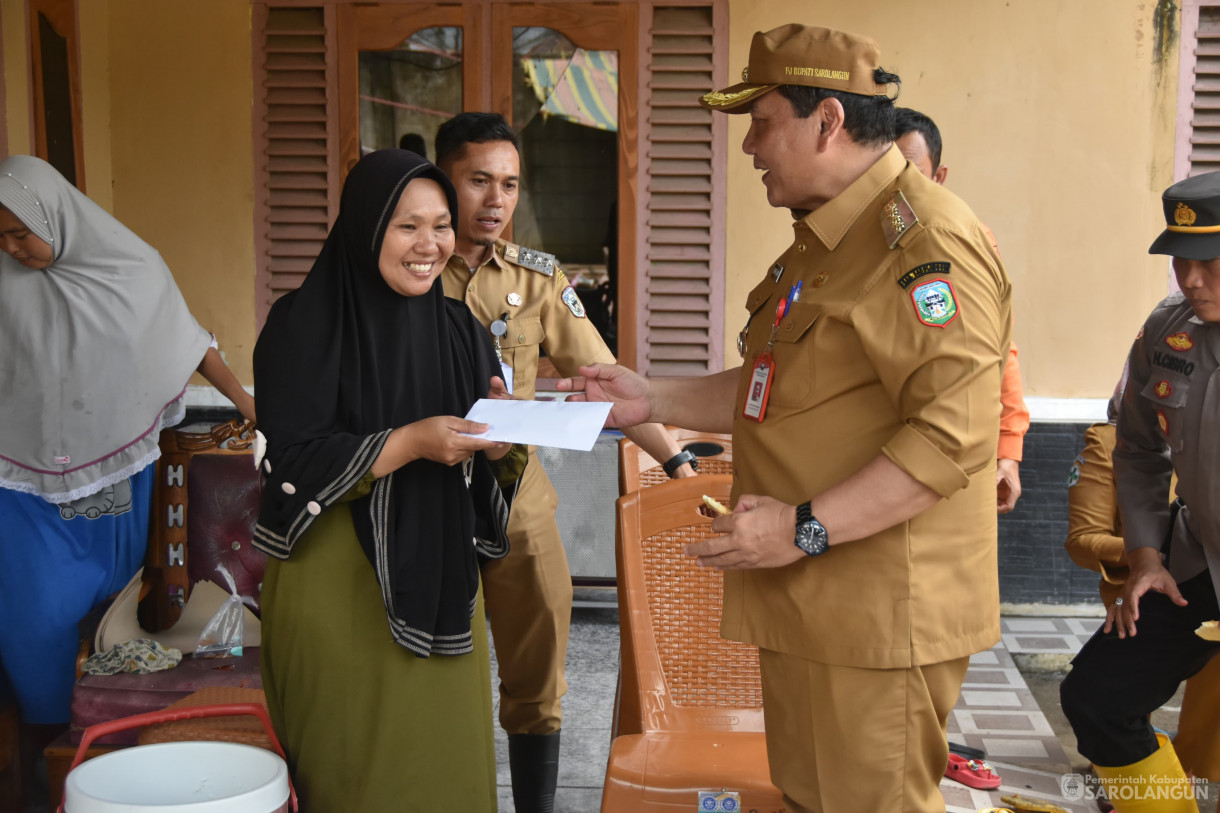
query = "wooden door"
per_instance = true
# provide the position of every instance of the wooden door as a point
(487, 56)
(55, 54)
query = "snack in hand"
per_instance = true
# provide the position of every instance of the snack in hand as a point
(1208, 630)
(714, 505)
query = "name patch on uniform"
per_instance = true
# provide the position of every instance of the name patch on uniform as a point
(1180, 341)
(935, 303)
(573, 302)
(1175, 364)
(907, 279)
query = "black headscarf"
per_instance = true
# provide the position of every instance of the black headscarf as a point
(342, 361)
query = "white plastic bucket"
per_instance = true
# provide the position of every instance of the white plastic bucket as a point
(180, 777)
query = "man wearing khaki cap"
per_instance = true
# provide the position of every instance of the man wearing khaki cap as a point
(1161, 630)
(861, 550)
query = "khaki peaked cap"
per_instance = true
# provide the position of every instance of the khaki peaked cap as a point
(797, 54)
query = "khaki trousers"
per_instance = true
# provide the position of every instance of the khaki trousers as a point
(842, 739)
(528, 595)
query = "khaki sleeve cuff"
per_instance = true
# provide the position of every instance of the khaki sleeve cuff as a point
(920, 458)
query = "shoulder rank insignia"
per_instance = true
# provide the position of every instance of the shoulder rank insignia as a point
(896, 218)
(935, 303)
(573, 302)
(530, 258)
(1180, 341)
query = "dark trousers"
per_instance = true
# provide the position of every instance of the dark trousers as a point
(1115, 683)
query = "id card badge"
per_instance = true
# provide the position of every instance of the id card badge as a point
(760, 386)
(506, 372)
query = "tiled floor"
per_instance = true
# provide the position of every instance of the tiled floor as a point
(996, 712)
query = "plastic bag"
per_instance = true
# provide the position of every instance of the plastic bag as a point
(222, 637)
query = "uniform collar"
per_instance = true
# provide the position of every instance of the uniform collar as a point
(831, 220)
(495, 258)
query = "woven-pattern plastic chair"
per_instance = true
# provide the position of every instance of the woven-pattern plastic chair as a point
(637, 469)
(689, 711)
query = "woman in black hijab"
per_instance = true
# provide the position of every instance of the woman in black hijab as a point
(381, 506)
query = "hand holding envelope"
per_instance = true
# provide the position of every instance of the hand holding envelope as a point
(560, 424)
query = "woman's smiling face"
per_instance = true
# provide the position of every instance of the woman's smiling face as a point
(418, 240)
(23, 245)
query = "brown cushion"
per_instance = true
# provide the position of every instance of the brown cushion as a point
(224, 493)
(101, 698)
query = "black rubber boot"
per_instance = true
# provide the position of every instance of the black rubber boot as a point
(534, 762)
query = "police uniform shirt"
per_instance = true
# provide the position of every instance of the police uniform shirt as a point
(895, 347)
(1169, 421)
(530, 287)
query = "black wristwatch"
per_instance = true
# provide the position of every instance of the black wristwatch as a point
(810, 534)
(677, 460)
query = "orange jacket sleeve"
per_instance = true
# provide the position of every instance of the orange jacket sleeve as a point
(1014, 415)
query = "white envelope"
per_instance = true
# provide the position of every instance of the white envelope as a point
(560, 424)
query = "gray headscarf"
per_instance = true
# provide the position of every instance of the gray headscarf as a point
(95, 350)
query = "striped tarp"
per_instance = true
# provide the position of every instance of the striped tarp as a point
(583, 89)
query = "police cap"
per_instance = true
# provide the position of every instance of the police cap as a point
(1192, 219)
(797, 54)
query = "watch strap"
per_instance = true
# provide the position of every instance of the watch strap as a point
(684, 456)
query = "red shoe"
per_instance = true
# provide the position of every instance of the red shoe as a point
(974, 773)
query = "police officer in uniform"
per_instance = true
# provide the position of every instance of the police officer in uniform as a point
(861, 550)
(1168, 422)
(524, 298)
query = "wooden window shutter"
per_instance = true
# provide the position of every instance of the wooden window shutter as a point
(683, 169)
(1205, 119)
(296, 151)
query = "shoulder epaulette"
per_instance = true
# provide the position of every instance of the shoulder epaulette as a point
(530, 258)
(897, 217)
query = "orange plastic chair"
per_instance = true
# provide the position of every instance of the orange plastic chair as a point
(688, 716)
(637, 469)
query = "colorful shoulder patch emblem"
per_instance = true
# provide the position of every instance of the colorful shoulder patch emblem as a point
(1180, 341)
(1162, 421)
(908, 279)
(1163, 389)
(935, 303)
(573, 302)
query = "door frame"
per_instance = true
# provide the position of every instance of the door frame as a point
(487, 42)
(62, 14)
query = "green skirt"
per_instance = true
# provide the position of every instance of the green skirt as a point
(367, 725)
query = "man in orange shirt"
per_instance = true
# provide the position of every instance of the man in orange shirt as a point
(918, 137)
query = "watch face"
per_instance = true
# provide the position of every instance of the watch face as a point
(811, 537)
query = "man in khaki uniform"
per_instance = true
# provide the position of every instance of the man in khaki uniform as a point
(861, 550)
(524, 298)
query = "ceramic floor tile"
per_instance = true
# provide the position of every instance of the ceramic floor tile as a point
(1029, 625)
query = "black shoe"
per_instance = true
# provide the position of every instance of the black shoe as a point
(534, 762)
(966, 751)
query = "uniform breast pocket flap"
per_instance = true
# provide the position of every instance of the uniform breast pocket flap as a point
(524, 331)
(797, 321)
(1165, 389)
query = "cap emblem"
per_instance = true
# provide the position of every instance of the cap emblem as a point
(1184, 215)
(745, 74)
(719, 99)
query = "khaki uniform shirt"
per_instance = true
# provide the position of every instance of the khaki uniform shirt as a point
(1095, 530)
(1169, 421)
(541, 320)
(890, 350)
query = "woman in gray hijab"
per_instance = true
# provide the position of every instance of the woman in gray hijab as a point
(96, 348)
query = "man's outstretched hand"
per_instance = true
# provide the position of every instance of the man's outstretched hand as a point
(627, 391)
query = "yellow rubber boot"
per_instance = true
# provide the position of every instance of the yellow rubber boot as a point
(1156, 784)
